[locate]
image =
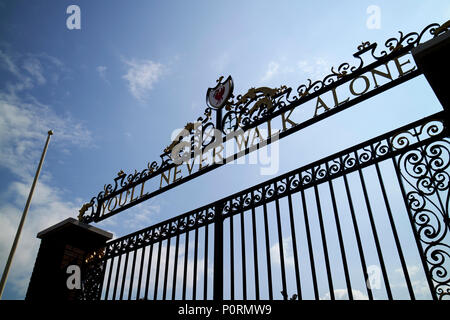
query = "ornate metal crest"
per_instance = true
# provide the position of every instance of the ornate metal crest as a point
(216, 97)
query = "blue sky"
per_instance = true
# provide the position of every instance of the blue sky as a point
(114, 91)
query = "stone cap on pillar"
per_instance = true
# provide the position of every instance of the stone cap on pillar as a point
(72, 231)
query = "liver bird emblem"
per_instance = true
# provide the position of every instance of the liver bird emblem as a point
(218, 95)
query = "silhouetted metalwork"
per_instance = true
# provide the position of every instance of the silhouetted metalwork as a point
(162, 261)
(425, 176)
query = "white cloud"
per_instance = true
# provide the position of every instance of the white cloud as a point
(342, 294)
(8, 63)
(287, 250)
(24, 123)
(315, 69)
(412, 270)
(421, 289)
(102, 72)
(34, 68)
(142, 75)
(23, 129)
(30, 70)
(418, 281)
(143, 214)
(272, 69)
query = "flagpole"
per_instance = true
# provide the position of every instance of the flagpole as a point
(24, 215)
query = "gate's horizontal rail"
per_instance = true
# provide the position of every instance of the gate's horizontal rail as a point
(357, 157)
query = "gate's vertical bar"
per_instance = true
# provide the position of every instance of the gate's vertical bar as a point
(133, 265)
(324, 243)
(158, 264)
(122, 287)
(269, 267)
(280, 247)
(218, 253)
(231, 256)
(149, 265)
(205, 261)
(218, 236)
(194, 277)
(357, 235)
(414, 231)
(117, 278)
(375, 234)
(186, 253)
(294, 248)
(395, 234)
(341, 240)
(175, 267)
(141, 269)
(255, 252)
(310, 248)
(108, 283)
(244, 269)
(166, 272)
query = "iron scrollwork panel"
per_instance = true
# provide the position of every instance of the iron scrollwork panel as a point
(425, 175)
(93, 273)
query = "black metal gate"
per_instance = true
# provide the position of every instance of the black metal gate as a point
(369, 222)
(322, 226)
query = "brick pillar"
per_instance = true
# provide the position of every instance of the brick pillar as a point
(66, 243)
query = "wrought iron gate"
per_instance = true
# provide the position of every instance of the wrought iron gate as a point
(162, 262)
(369, 222)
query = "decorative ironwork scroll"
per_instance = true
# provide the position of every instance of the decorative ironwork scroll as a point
(259, 105)
(425, 171)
